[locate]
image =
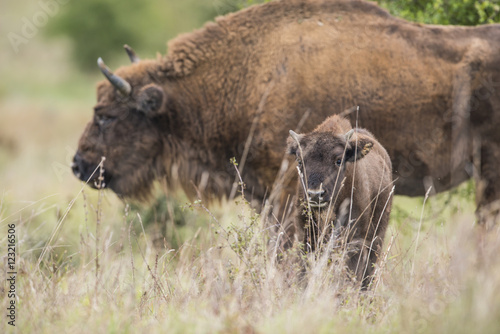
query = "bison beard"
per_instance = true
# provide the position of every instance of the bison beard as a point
(235, 88)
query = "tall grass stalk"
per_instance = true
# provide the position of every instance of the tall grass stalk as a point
(418, 232)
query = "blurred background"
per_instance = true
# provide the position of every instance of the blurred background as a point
(48, 72)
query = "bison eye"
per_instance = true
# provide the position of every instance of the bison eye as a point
(299, 162)
(338, 162)
(103, 120)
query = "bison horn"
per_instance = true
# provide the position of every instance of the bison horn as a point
(131, 54)
(348, 135)
(121, 84)
(295, 136)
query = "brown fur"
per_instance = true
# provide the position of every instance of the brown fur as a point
(355, 176)
(426, 92)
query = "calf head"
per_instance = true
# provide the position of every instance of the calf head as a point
(322, 160)
(124, 130)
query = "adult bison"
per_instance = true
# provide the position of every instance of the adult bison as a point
(235, 88)
(344, 196)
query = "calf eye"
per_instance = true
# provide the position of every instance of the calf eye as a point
(338, 162)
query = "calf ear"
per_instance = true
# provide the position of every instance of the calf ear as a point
(151, 99)
(292, 143)
(364, 147)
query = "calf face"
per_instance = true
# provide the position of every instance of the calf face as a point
(322, 159)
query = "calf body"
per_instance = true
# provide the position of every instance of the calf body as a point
(345, 192)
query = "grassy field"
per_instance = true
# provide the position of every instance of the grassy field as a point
(88, 262)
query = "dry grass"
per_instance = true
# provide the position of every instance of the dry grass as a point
(222, 280)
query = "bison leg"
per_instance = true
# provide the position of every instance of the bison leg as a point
(361, 260)
(488, 185)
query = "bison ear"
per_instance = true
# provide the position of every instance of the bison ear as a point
(292, 143)
(151, 99)
(364, 147)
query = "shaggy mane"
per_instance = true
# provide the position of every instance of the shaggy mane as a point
(189, 50)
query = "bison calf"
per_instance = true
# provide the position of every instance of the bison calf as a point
(344, 194)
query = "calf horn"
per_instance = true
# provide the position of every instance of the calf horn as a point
(295, 136)
(348, 134)
(131, 54)
(121, 84)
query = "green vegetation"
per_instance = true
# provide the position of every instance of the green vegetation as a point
(459, 12)
(99, 27)
(88, 262)
(102, 27)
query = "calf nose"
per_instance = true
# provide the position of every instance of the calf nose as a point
(316, 195)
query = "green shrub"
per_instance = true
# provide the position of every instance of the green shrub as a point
(100, 28)
(457, 12)
(96, 28)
